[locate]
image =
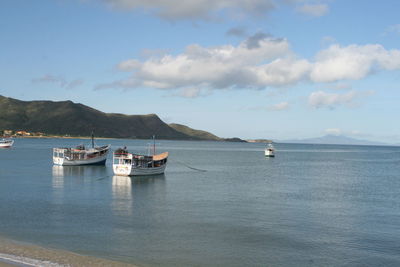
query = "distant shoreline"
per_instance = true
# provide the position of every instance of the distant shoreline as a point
(230, 140)
(61, 137)
(15, 253)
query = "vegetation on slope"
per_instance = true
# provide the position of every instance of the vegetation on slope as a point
(196, 134)
(68, 118)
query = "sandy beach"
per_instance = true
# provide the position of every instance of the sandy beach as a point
(13, 253)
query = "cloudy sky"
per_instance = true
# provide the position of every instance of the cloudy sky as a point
(279, 69)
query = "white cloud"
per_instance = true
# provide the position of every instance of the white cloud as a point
(279, 107)
(213, 9)
(189, 9)
(352, 62)
(59, 81)
(191, 92)
(258, 62)
(282, 72)
(321, 99)
(333, 131)
(315, 10)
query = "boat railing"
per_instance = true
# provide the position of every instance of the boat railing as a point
(122, 155)
(60, 149)
(103, 147)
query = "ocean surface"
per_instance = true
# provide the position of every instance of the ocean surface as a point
(218, 204)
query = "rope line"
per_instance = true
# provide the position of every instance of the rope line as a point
(190, 167)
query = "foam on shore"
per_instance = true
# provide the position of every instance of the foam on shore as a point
(21, 254)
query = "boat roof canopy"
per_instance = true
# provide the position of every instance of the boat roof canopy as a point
(160, 156)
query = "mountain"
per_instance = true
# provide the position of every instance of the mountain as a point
(259, 141)
(68, 118)
(334, 140)
(201, 135)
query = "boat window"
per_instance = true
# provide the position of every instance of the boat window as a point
(55, 154)
(61, 155)
(116, 161)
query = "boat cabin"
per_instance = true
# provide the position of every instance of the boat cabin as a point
(79, 153)
(122, 157)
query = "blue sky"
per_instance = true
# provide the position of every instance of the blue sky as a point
(246, 68)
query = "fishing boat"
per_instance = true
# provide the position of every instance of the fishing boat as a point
(269, 150)
(81, 155)
(6, 143)
(130, 164)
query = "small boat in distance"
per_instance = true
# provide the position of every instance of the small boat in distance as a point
(81, 155)
(6, 143)
(130, 164)
(269, 150)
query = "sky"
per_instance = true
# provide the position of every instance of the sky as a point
(287, 69)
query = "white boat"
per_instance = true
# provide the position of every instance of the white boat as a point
(6, 143)
(270, 150)
(130, 164)
(81, 155)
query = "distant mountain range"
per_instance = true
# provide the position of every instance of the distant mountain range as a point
(334, 140)
(68, 118)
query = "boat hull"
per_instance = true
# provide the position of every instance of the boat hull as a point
(64, 162)
(6, 144)
(269, 153)
(129, 170)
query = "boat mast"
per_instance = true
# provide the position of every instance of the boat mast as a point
(154, 145)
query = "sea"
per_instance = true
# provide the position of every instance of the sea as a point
(218, 204)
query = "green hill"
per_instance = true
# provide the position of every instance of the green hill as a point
(68, 118)
(198, 134)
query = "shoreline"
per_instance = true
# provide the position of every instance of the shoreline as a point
(16, 253)
(229, 140)
(60, 137)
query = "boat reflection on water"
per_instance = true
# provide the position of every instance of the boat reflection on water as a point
(80, 173)
(122, 195)
(121, 185)
(58, 176)
(127, 191)
(148, 179)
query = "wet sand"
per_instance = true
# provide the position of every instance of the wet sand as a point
(13, 253)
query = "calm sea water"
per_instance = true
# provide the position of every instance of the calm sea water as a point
(312, 205)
